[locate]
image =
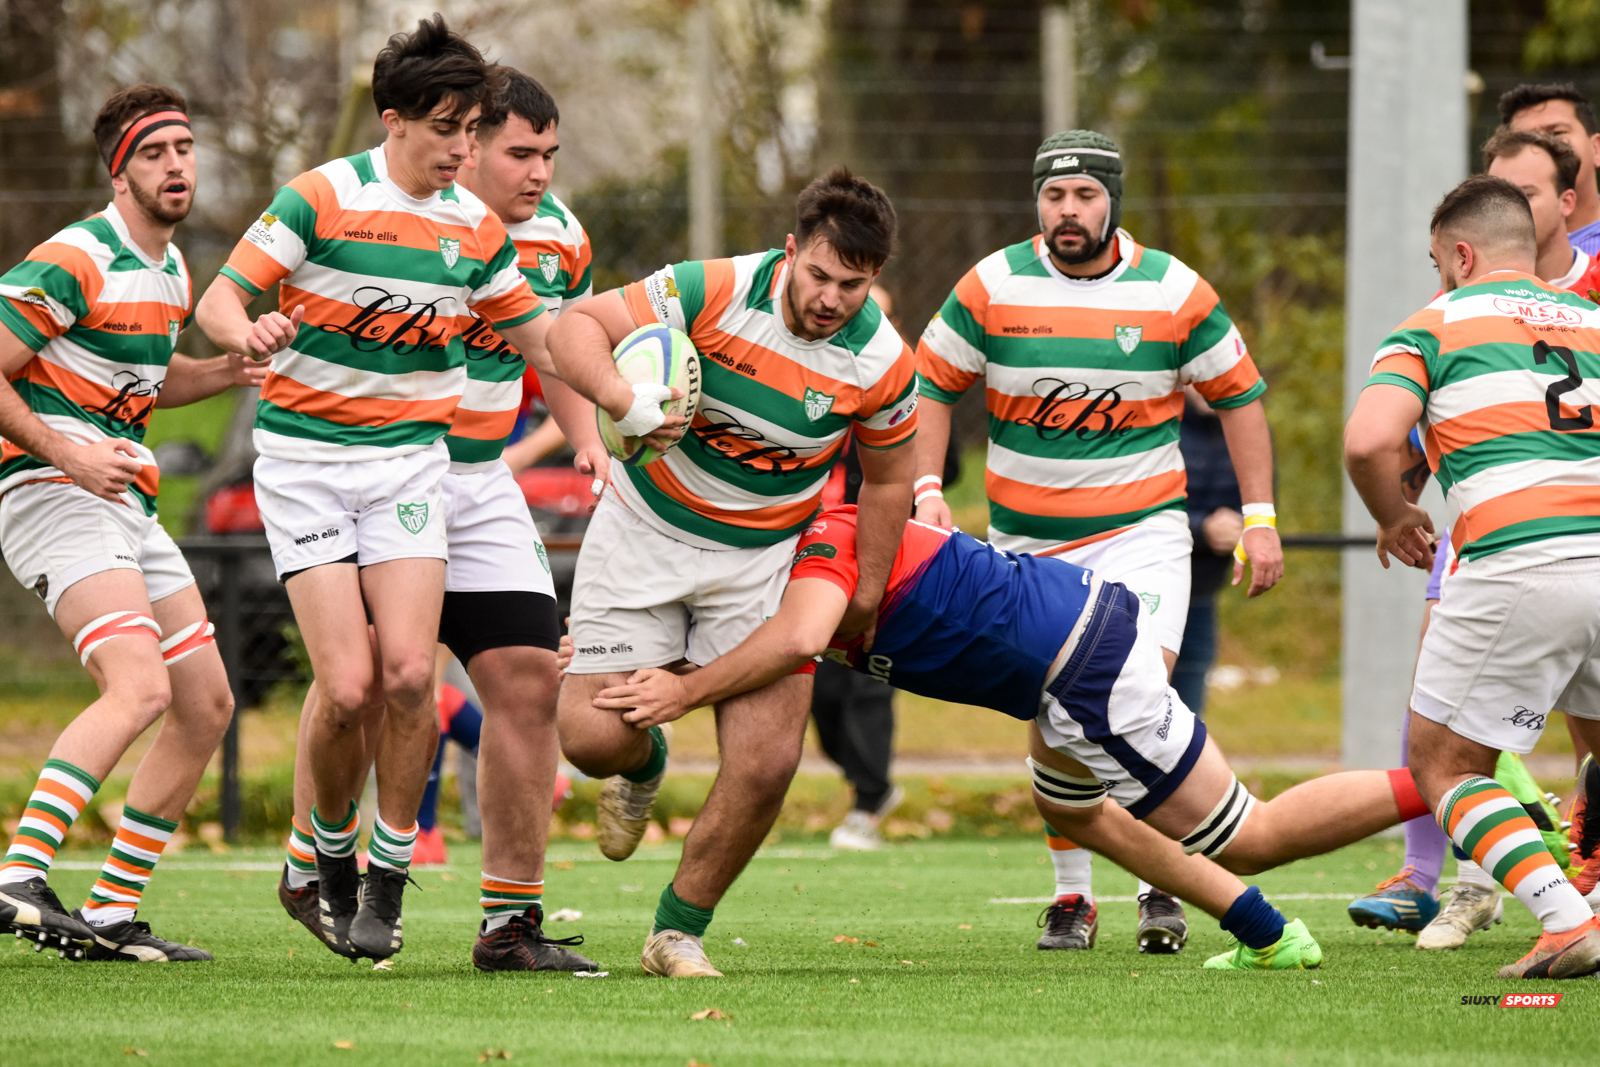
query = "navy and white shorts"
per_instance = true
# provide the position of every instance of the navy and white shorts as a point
(1110, 708)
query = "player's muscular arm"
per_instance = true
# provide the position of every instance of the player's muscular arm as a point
(931, 443)
(1413, 471)
(881, 511)
(224, 314)
(531, 339)
(104, 468)
(581, 342)
(806, 620)
(573, 416)
(190, 380)
(1374, 440)
(1250, 448)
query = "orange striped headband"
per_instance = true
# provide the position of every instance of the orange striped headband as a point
(136, 133)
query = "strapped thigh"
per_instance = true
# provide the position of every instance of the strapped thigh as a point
(187, 641)
(114, 625)
(1217, 830)
(1064, 789)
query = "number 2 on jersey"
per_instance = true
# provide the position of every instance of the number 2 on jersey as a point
(1542, 352)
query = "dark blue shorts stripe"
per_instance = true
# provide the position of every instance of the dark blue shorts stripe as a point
(1157, 794)
(1083, 688)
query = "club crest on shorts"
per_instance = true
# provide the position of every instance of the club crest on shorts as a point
(1128, 338)
(1152, 601)
(549, 265)
(412, 516)
(817, 404)
(450, 249)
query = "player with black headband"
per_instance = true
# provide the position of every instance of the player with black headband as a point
(1087, 339)
(88, 326)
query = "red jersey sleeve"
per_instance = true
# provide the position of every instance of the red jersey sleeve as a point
(827, 550)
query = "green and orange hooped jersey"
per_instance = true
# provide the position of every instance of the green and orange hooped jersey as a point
(1084, 386)
(1508, 371)
(103, 319)
(553, 254)
(774, 409)
(389, 284)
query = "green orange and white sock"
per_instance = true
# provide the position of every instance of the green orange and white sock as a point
(140, 839)
(390, 847)
(1486, 822)
(501, 898)
(336, 838)
(300, 859)
(59, 797)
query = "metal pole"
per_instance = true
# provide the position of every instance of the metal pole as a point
(228, 638)
(1058, 61)
(1408, 146)
(705, 128)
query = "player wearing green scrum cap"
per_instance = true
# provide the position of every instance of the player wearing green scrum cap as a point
(1087, 341)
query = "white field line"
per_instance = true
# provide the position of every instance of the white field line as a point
(221, 864)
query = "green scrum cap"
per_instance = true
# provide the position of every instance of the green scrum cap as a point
(1082, 154)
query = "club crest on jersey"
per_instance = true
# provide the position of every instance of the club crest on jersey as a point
(450, 249)
(549, 265)
(1128, 338)
(544, 558)
(173, 326)
(412, 516)
(1151, 601)
(817, 404)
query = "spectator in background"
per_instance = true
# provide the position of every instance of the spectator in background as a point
(1562, 111)
(854, 713)
(1216, 522)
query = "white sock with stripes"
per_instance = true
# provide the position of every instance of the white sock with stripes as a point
(389, 847)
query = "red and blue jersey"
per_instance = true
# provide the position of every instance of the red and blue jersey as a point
(961, 620)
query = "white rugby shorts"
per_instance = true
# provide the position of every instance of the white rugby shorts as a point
(1152, 560)
(1503, 650)
(494, 545)
(55, 534)
(374, 510)
(643, 599)
(1108, 705)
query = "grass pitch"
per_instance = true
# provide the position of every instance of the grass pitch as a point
(937, 973)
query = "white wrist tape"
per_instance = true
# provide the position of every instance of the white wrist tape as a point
(1251, 510)
(926, 494)
(645, 415)
(109, 627)
(938, 482)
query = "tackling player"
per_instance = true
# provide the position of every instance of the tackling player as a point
(687, 555)
(387, 258)
(88, 326)
(499, 615)
(1054, 644)
(1498, 367)
(1086, 339)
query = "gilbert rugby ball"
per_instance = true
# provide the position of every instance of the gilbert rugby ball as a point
(653, 353)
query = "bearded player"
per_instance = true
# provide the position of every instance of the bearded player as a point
(88, 325)
(687, 555)
(388, 259)
(1086, 339)
(499, 615)
(1055, 645)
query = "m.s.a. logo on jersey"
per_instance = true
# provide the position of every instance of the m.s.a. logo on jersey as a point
(549, 265)
(817, 404)
(450, 249)
(1128, 338)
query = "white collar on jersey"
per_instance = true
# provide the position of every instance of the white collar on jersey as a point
(380, 167)
(1580, 263)
(114, 217)
(1124, 257)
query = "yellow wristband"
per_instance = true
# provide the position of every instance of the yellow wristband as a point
(1249, 521)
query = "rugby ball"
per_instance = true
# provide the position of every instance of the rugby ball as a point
(653, 353)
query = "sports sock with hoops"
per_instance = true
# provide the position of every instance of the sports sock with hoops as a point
(1469, 873)
(1489, 824)
(59, 797)
(675, 913)
(389, 847)
(140, 839)
(300, 859)
(336, 838)
(657, 761)
(501, 898)
(1072, 866)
